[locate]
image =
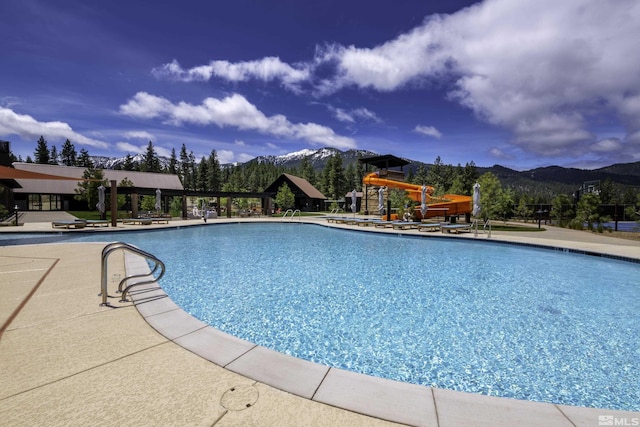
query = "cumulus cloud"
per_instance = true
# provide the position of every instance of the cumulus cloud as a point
(541, 69)
(355, 115)
(232, 111)
(129, 148)
(428, 130)
(139, 134)
(265, 69)
(27, 127)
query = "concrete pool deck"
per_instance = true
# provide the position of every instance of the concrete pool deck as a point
(65, 360)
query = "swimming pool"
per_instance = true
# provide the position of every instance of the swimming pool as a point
(495, 319)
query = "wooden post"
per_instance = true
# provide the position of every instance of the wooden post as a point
(134, 205)
(184, 206)
(114, 203)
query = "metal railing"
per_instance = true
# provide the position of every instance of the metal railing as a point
(293, 213)
(151, 278)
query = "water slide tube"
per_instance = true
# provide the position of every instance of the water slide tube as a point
(449, 204)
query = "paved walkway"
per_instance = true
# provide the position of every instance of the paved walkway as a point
(65, 360)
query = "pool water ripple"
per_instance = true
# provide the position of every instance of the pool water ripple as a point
(499, 320)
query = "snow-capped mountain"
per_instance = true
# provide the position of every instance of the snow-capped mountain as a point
(317, 158)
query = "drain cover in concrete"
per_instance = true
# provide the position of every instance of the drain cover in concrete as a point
(239, 397)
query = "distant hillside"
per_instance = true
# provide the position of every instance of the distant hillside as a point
(540, 181)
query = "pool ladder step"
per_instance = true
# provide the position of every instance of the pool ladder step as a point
(143, 279)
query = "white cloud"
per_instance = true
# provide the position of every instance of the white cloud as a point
(27, 127)
(234, 111)
(499, 154)
(139, 134)
(428, 130)
(541, 69)
(266, 69)
(129, 148)
(355, 115)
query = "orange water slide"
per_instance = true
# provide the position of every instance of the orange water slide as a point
(449, 204)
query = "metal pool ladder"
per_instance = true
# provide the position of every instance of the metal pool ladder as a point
(293, 213)
(150, 277)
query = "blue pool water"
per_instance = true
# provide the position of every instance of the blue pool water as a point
(495, 319)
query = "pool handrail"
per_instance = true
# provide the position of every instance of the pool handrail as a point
(114, 246)
(293, 213)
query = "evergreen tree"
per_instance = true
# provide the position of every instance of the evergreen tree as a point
(214, 178)
(29, 159)
(336, 184)
(41, 153)
(307, 172)
(173, 163)
(202, 180)
(68, 155)
(128, 164)
(84, 160)
(53, 156)
(285, 199)
(150, 161)
(87, 190)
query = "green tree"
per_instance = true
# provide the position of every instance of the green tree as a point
(84, 160)
(307, 172)
(53, 156)
(202, 178)
(124, 198)
(128, 164)
(173, 163)
(562, 209)
(150, 160)
(148, 203)
(41, 153)
(285, 199)
(68, 155)
(214, 175)
(587, 210)
(333, 179)
(87, 189)
(490, 195)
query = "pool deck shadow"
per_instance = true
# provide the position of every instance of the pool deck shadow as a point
(66, 360)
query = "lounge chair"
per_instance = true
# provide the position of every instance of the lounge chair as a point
(429, 227)
(455, 228)
(96, 222)
(140, 221)
(68, 224)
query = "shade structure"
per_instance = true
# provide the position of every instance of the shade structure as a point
(476, 200)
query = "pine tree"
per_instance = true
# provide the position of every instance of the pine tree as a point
(68, 155)
(203, 175)
(150, 162)
(53, 156)
(307, 172)
(88, 189)
(214, 180)
(84, 160)
(41, 153)
(173, 163)
(128, 164)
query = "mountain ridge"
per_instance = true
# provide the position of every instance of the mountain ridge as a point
(626, 174)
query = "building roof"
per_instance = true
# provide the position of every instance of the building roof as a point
(302, 184)
(65, 179)
(384, 162)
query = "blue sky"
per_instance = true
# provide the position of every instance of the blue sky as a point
(521, 83)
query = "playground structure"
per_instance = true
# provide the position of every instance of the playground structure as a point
(449, 205)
